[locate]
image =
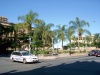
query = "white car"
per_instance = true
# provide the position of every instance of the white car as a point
(23, 56)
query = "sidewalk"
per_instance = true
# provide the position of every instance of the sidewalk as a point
(61, 56)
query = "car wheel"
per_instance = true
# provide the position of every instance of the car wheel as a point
(24, 61)
(37, 61)
(13, 60)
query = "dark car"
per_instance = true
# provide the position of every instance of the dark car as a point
(97, 54)
(93, 52)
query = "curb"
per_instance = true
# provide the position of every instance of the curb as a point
(60, 56)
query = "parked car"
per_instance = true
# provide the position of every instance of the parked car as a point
(98, 54)
(23, 56)
(92, 52)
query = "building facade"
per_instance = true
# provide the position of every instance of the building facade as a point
(6, 34)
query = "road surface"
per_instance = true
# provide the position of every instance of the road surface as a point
(77, 65)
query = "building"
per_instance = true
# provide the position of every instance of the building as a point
(4, 22)
(84, 41)
(6, 34)
(3, 19)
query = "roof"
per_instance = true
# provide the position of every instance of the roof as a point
(7, 24)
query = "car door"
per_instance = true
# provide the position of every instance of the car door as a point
(15, 56)
(19, 57)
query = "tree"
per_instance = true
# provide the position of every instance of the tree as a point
(1, 32)
(79, 27)
(6, 38)
(21, 35)
(96, 39)
(70, 32)
(29, 19)
(43, 33)
(61, 33)
(74, 38)
(88, 40)
(21, 29)
(1, 29)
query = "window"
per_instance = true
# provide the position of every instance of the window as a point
(25, 53)
(16, 53)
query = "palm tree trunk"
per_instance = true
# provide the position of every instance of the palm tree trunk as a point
(70, 48)
(78, 43)
(62, 44)
(29, 29)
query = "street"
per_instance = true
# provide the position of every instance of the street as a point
(77, 65)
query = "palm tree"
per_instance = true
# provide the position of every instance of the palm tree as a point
(78, 25)
(29, 19)
(42, 31)
(61, 33)
(70, 32)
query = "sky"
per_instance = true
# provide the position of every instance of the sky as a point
(54, 11)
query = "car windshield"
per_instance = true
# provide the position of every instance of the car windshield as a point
(25, 53)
